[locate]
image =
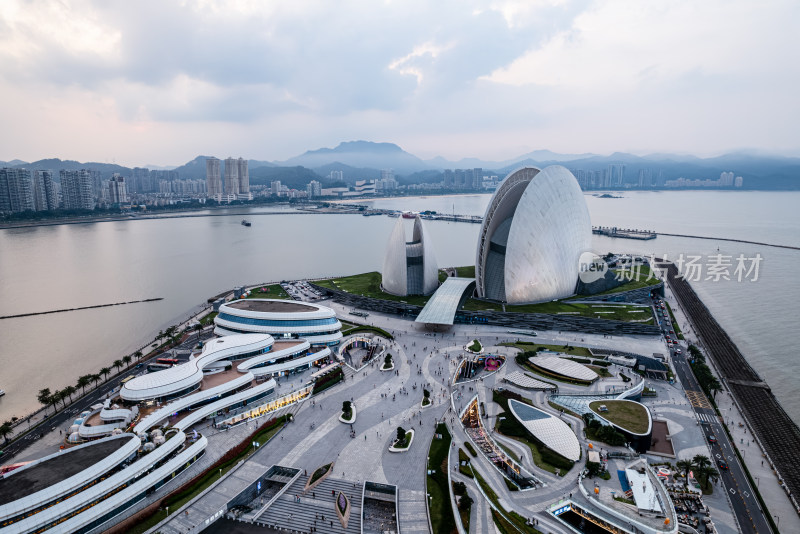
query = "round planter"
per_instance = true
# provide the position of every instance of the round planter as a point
(391, 368)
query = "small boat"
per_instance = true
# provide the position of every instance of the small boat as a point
(247, 223)
(410, 214)
(2, 392)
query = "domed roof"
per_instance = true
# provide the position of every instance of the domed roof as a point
(535, 229)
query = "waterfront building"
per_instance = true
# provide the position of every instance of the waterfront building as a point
(213, 179)
(231, 177)
(535, 228)
(45, 194)
(282, 319)
(314, 188)
(409, 268)
(117, 191)
(76, 189)
(16, 192)
(275, 187)
(244, 179)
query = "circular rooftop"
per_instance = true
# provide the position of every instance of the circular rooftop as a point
(271, 306)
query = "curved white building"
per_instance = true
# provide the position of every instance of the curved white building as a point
(409, 268)
(535, 228)
(282, 319)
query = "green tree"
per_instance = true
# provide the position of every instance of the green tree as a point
(68, 392)
(44, 397)
(685, 466)
(401, 435)
(465, 502)
(95, 378)
(105, 371)
(55, 398)
(6, 429)
(138, 354)
(118, 364)
(84, 381)
(127, 359)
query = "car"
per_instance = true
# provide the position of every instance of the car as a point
(674, 341)
(722, 464)
(677, 351)
(712, 438)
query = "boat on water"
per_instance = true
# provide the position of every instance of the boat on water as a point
(2, 392)
(409, 214)
(247, 223)
(394, 214)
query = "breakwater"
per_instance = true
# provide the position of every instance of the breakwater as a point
(80, 308)
(775, 431)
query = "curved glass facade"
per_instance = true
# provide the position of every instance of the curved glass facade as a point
(278, 323)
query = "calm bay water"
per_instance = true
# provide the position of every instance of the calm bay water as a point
(187, 260)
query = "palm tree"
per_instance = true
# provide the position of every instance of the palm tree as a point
(713, 386)
(84, 381)
(685, 466)
(127, 359)
(704, 474)
(55, 398)
(138, 354)
(6, 429)
(701, 461)
(44, 397)
(117, 365)
(199, 328)
(69, 391)
(95, 379)
(105, 371)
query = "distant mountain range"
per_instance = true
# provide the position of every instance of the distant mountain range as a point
(359, 160)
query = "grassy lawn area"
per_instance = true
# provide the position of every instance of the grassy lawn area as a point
(629, 415)
(442, 519)
(208, 319)
(600, 310)
(274, 291)
(369, 285)
(475, 346)
(466, 272)
(634, 280)
(371, 329)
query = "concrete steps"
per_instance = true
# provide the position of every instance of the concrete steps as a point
(286, 513)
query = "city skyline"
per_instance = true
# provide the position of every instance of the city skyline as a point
(498, 80)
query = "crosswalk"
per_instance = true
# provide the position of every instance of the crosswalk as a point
(708, 418)
(698, 399)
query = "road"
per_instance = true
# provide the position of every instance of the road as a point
(734, 481)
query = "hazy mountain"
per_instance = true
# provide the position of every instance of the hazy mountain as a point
(350, 174)
(292, 177)
(13, 163)
(361, 154)
(55, 164)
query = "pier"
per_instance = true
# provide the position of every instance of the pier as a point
(625, 233)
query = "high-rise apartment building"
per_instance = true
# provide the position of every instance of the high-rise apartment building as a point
(231, 177)
(76, 189)
(117, 191)
(477, 178)
(275, 187)
(45, 195)
(314, 189)
(213, 179)
(16, 192)
(244, 176)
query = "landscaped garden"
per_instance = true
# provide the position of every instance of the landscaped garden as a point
(426, 398)
(442, 519)
(273, 291)
(348, 412)
(475, 346)
(369, 285)
(325, 381)
(388, 364)
(629, 415)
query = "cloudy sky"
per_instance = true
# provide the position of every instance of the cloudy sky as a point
(159, 82)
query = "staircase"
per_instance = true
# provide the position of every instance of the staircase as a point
(312, 508)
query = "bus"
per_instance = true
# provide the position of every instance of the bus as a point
(126, 380)
(167, 361)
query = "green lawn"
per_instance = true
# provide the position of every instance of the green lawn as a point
(369, 285)
(442, 519)
(208, 319)
(466, 272)
(274, 291)
(599, 310)
(634, 280)
(629, 415)
(515, 518)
